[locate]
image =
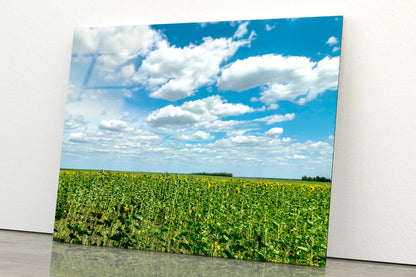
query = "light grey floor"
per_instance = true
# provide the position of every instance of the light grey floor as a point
(31, 254)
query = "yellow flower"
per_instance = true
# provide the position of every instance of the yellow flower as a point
(209, 185)
(237, 190)
(227, 194)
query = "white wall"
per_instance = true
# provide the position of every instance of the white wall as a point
(373, 211)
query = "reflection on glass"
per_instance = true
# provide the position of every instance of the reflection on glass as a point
(79, 260)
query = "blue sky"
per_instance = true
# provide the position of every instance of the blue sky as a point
(255, 98)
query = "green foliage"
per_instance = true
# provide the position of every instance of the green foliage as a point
(265, 220)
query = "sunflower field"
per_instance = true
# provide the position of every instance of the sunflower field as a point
(240, 218)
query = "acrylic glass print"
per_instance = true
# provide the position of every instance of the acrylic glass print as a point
(211, 139)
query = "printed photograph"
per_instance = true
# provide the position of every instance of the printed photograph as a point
(212, 139)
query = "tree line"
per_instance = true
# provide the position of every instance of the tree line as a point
(316, 179)
(221, 174)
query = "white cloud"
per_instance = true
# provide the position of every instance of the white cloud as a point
(114, 125)
(86, 40)
(336, 49)
(78, 137)
(297, 157)
(174, 73)
(197, 136)
(127, 71)
(273, 106)
(207, 110)
(115, 40)
(108, 63)
(93, 104)
(272, 151)
(115, 46)
(246, 140)
(175, 89)
(171, 116)
(73, 92)
(318, 144)
(115, 67)
(295, 79)
(274, 132)
(276, 118)
(74, 121)
(242, 151)
(127, 93)
(270, 27)
(332, 40)
(311, 146)
(239, 132)
(242, 30)
(129, 39)
(259, 70)
(134, 142)
(216, 106)
(218, 125)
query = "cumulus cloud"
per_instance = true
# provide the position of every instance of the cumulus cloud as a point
(197, 136)
(174, 73)
(316, 146)
(208, 110)
(115, 40)
(296, 79)
(86, 40)
(273, 132)
(273, 106)
(171, 116)
(276, 118)
(115, 47)
(93, 104)
(271, 150)
(73, 93)
(259, 70)
(121, 72)
(269, 27)
(332, 40)
(127, 93)
(114, 125)
(218, 125)
(238, 132)
(297, 157)
(242, 30)
(74, 121)
(109, 63)
(217, 106)
(246, 140)
(78, 137)
(134, 142)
